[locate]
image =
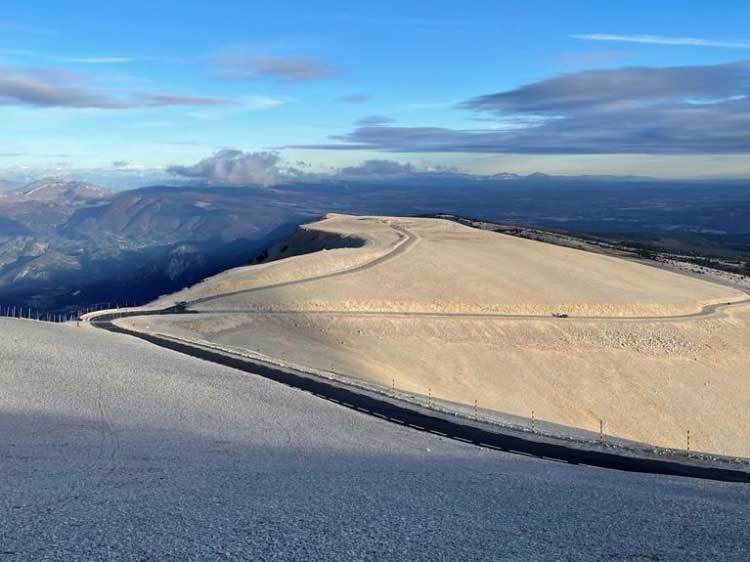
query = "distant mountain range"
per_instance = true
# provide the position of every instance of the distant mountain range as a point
(58, 191)
(70, 244)
(66, 244)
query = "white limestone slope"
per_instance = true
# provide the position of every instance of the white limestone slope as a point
(435, 307)
(114, 449)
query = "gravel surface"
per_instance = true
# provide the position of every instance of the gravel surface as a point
(112, 449)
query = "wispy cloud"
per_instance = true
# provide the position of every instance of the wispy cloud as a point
(373, 120)
(16, 154)
(165, 100)
(119, 59)
(99, 60)
(355, 98)
(241, 65)
(247, 103)
(666, 40)
(258, 102)
(55, 87)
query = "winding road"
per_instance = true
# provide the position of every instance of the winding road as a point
(407, 240)
(419, 417)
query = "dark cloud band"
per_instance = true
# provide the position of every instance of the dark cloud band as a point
(676, 110)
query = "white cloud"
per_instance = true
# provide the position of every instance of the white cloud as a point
(257, 102)
(235, 167)
(249, 102)
(666, 40)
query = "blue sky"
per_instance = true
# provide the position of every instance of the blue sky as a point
(647, 87)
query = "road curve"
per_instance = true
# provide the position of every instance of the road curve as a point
(408, 239)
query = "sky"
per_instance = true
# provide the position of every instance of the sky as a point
(242, 91)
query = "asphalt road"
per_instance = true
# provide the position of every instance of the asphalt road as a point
(407, 240)
(409, 414)
(706, 312)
